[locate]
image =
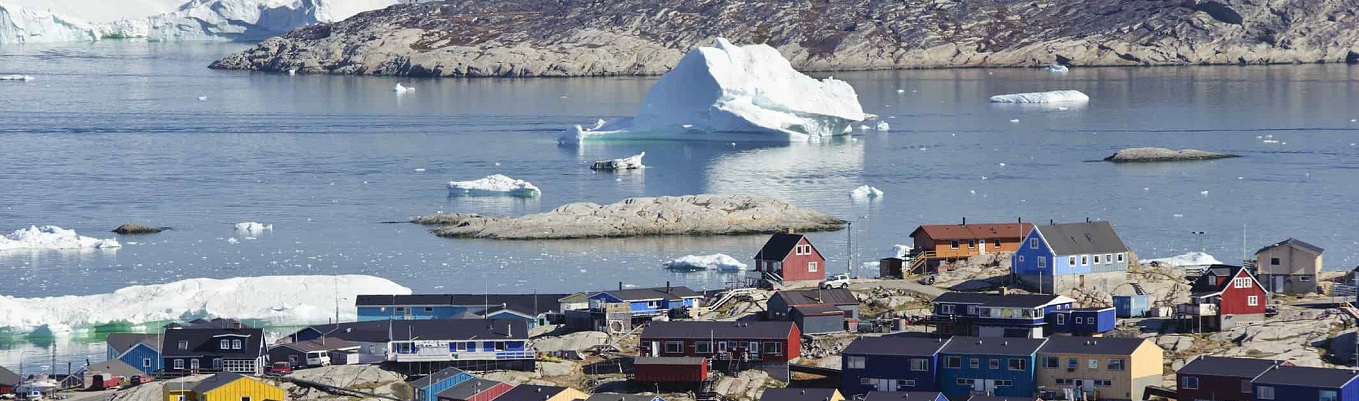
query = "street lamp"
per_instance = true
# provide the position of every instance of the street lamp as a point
(21, 361)
(1198, 236)
(852, 252)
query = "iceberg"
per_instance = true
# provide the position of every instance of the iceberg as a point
(23, 25)
(52, 238)
(253, 229)
(1191, 259)
(882, 126)
(399, 88)
(1061, 96)
(728, 92)
(865, 192)
(16, 77)
(715, 261)
(627, 163)
(1056, 68)
(901, 251)
(289, 300)
(494, 185)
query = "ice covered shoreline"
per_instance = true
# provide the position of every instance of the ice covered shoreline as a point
(52, 238)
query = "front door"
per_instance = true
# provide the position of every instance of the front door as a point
(886, 385)
(978, 385)
(990, 386)
(1088, 385)
(1278, 283)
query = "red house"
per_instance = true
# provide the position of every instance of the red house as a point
(1223, 297)
(675, 369)
(723, 341)
(790, 257)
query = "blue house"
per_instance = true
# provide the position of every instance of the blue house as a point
(998, 366)
(996, 314)
(1083, 321)
(1056, 258)
(428, 388)
(1296, 383)
(475, 344)
(534, 309)
(890, 364)
(647, 301)
(141, 351)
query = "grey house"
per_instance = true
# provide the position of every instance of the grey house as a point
(814, 310)
(1289, 267)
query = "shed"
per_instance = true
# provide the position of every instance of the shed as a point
(817, 319)
(1127, 306)
(428, 388)
(670, 369)
(1083, 321)
(476, 389)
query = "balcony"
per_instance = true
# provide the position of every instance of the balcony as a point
(1196, 310)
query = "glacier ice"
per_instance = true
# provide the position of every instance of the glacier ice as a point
(1061, 96)
(494, 185)
(728, 92)
(399, 88)
(883, 126)
(865, 192)
(253, 229)
(715, 261)
(52, 238)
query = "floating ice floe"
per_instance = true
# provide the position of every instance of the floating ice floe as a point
(494, 185)
(627, 163)
(275, 299)
(901, 91)
(1191, 259)
(52, 238)
(1016, 120)
(865, 192)
(292, 71)
(726, 92)
(233, 240)
(16, 77)
(202, 98)
(715, 261)
(252, 229)
(1061, 96)
(399, 88)
(1056, 68)
(882, 126)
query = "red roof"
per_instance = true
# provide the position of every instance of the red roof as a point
(947, 232)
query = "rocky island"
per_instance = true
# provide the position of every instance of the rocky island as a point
(527, 38)
(1149, 155)
(632, 217)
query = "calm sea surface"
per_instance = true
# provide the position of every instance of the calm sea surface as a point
(115, 132)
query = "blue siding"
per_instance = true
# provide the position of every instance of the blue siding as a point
(1131, 305)
(896, 367)
(135, 357)
(1022, 382)
(644, 307)
(1090, 321)
(1030, 256)
(431, 392)
(370, 313)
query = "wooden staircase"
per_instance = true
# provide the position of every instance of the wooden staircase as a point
(919, 261)
(708, 390)
(1138, 288)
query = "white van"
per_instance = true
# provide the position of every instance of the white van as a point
(318, 358)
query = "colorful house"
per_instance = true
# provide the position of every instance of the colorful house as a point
(801, 394)
(647, 301)
(1289, 267)
(1057, 258)
(1223, 297)
(670, 369)
(428, 388)
(890, 364)
(311, 353)
(1083, 321)
(993, 366)
(224, 386)
(1296, 383)
(740, 345)
(534, 309)
(477, 344)
(814, 310)
(959, 241)
(8, 380)
(789, 257)
(139, 350)
(1100, 368)
(996, 314)
(110, 373)
(904, 396)
(1213, 378)
(529, 392)
(476, 389)
(220, 345)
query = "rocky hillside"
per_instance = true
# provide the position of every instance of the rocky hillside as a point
(520, 38)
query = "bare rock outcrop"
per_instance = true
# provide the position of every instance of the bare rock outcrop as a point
(665, 215)
(524, 38)
(134, 228)
(1150, 155)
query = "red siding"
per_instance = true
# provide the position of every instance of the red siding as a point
(795, 267)
(670, 373)
(486, 395)
(1235, 300)
(791, 347)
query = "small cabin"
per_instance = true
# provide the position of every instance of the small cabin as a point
(790, 257)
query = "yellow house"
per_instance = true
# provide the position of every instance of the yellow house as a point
(223, 387)
(1100, 368)
(802, 394)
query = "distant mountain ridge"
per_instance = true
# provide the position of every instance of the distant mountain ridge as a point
(520, 38)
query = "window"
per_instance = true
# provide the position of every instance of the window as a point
(811, 266)
(772, 348)
(868, 381)
(183, 345)
(993, 363)
(1071, 363)
(946, 309)
(1019, 364)
(400, 309)
(953, 244)
(1274, 261)
(973, 363)
(997, 244)
(193, 364)
(674, 347)
(1093, 364)
(1104, 383)
(226, 344)
(1071, 260)
(499, 345)
(963, 382)
(146, 362)
(1264, 393)
(245, 398)
(217, 362)
(971, 244)
(235, 344)
(854, 362)
(429, 309)
(653, 304)
(1042, 261)
(1033, 243)
(953, 362)
(1004, 383)
(1021, 258)
(1096, 259)
(1116, 364)
(1328, 395)
(920, 365)
(1061, 319)
(1120, 258)
(1080, 320)
(1253, 300)
(1085, 260)
(1108, 258)
(1305, 278)
(1241, 282)
(703, 347)
(911, 383)
(1050, 362)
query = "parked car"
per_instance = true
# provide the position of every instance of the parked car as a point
(836, 281)
(281, 368)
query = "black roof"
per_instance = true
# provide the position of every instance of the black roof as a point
(891, 345)
(719, 330)
(1293, 242)
(329, 344)
(121, 342)
(436, 377)
(1204, 283)
(431, 329)
(469, 388)
(993, 346)
(8, 377)
(1307, 377)
(201, 342)
(797, 394)
(215, 323)
(901, 395)
(639, 294)
(836, 296)
(530, 304)
(1245, 368)
(979, 397)
(1092, 345)
(620, 397)
(1082, 238)
(215, 381)
(995, 299)
(530, 392)
(818, 310)
(778, 246)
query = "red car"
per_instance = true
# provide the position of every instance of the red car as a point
(281, 368)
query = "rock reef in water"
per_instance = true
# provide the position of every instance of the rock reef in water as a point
(523, 38)
(633, 217)
(134, 228)
(1147, 155)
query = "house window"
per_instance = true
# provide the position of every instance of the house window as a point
(183, 345)
(1042, 261)
(217, 362)
(146, 362)
(1079, 320)
(1108, 258)
(953, 362)
(1104, 383)
(993, 363)
(226, 344)
(235, 344)
(703, 347)
(1274, 261)
(1019, 364)
(1116, 364)
(1021, 258)
(179, 364)
(920, 365)
(953, 244)
(429, 309)
(1305, 278)
(811, 267)
(1265, 393)
(245, 398)
(1071, 260)
(674, 347)
(1085, 260)
(401, 309)
(971, 244)
(1061, 319)
(1071, 363)
(1241, 282)
(1096, 259)
(911, 383)
(773, 348)
(946, 309)
(1093, 364)
(1120, 258)
(1328, 395)
(499, 345)
(963, 382)
(855, 362)
(1253, 300)
(1004, 383)
(973, 363)
(653, 304)
(193, 364)
(1050, 362)
(1033, 243)
(997, 244)
(868, 381)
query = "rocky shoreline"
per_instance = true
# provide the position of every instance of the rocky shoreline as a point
(1152, 155)
(526, 38)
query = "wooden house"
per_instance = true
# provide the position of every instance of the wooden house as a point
(1223, 297)
(139, 350)
(8, 381)
(428, 388)
(1289, 267)
(1100, 368)
(529, 392)
(221, 345)
(904, 396)
(477, 344)
(1086, 322)
(670, 369)
(1297, 383)
(801, 394)
(890, 363)
(732, 345)
(960, 241)
(225, 386)
(995, 366)
(1056, 258)
(108, 374)
(996, 314)
(789, 257)
(475, 389)
(647, 302)
(1213, 378)
(814, 310)
(534, 309)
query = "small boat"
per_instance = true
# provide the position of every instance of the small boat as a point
(627, 163)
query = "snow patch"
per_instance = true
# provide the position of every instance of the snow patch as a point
(865, 192)
(726, 92)
(1191, 259)
(715, 261)
(277, 299)
(1062, 96)
(52, 237)
(494, 185)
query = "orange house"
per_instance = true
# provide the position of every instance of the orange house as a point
(956, 241)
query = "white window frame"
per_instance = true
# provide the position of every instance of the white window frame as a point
(1305, 278)
(1061, 319)
(1097, 259)
(225, 344)
(971, 244)
(1033, 243)
(703, 347)
(1092, 364)
(1120, 258)
(855, 362)
(1323, 395)
(1071, 260)
(953, 244)
(678, 347)
(908, 383)
(1108, 258)
(993, 363)
(1121, 364)
(193, 364)
(235, 344)
(773, 348)
(146, 362)
(920, 365)
(1080, 320)
(1253, 300)
(812, 267)
(946, 309)
(974, 363)
(957, 359)
(1264, 393)
(179, 364)
(1085, 260)
(183, 345)
(1021, 258)
(1042, 261)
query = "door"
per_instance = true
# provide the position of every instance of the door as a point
(990, 386)
(978, 385)
(754, 350)
(1088, 385)
(886, 385)
(1278, 283)
(655, 348)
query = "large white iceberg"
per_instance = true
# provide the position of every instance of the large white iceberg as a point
(276, 299)
(728, 92)
(1062, 96)
(865, 192)
(52, 237)
(715, 261)
(1191, 259)
(494, 185)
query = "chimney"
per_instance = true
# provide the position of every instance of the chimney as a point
(667, 287)
(509, 330)
(964, 220)
(1020, 220)
(1051, 223)
(791, 231)
(1087, 219)
(620, 285)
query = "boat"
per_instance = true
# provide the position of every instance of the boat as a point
(627, 163)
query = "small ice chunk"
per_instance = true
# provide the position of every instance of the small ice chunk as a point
(252, 228)
(627, 163)
(52, 237)
(882, 126)
(1060, 96)
(233, 240)
(1002, 164)
(1063, 108)
(1204, 193)
(1014, 120)
(865, 192)
(292, 71)
(972, 192)
(29, 78)
(496, 184)
(419, 170)
(1056, 68)
(202, 98)
(1354, 120)
(901, 91)
(864, 127)
(715, 261)
(399, 88)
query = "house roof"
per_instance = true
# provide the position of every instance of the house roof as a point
(1082, 238)
(901, 395)
(1203, 285)
(1229, 367)
(642, 294)
(894, 346)
(778, 246)
(1294, 242)
(836, 296)
(121, 342)
(818, 310)
(436, 377)
(8, 377)
(329, 344)
(979, 397)
(432, 329)
(215, 323)
(1092, 345)
(576, 298)
(530, 392)
(201, 338)
(1007, 300)
(723, 330)
(948, 232)
(622, 397)
(669, 360)
(216, 381)
(115, 367)
(1306, 376)
(993, 346)
(531, 304)
(469, 388)
(798, 394)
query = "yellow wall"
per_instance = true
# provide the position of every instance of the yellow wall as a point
(836, 396)
(1145, 361)
(172, 392)
(244, 387)
(569, 394)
